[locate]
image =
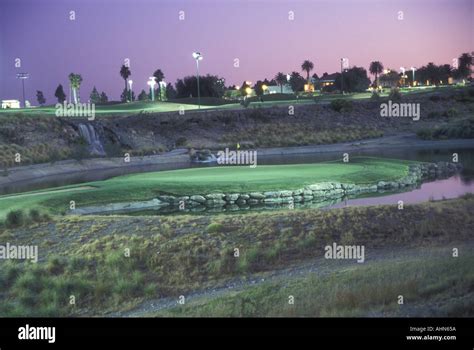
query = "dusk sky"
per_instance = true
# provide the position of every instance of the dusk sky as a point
(258, 33)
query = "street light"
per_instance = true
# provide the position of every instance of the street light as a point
(152, 83)
(402, 69)
(162, 89)
(413, 69)
(344, 65)
(130, 82)
(198, 57)
(23, 77)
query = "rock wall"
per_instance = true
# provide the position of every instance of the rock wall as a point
(316, 192)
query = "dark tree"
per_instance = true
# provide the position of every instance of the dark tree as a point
(59, 94)
(209, 86)
(40, 97)
(376, 68)
(103, 97)
(125, 73)
(297, 82)
(170, 91)
(390, 79)
(307, 67)
(465, 62)
(94, 96)
(159, 77)
(434, 74)
(142, 96)
(258, 87)
(280, 79)
(125, 96)
(355, 80)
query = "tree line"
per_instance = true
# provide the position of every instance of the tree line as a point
(354, 79)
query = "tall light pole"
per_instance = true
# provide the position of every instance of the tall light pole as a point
(413, 69)
(344, 65)
(402, 69)
(23, 77)
(198, 57)
(130, 82)
(152, 83)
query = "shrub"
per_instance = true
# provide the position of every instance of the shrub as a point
(214, 227)
(35, 215)
(395, 95)
(425, 134)
(341, 105)
(15, 218)
(375, 96)
(451, 112)
(227, 263)
(181, 141)
(55, 265)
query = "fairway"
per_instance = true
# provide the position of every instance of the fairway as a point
(226, 179)
(114, 109)
(189, 104)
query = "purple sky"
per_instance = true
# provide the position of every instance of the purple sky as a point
(258, 32)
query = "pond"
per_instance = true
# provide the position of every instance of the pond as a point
(453, 187)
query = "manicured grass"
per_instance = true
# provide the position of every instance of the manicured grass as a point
(225, 179)
(114, 109)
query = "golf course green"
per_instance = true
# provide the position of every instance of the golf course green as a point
(226, 179)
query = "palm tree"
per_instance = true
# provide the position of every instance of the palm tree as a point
(75, 81)
(376, 68)
(159, 77)
(125, 73)
(465, 62)
(280, 78)
(307, 67)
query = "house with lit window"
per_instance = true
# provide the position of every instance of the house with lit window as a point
(10, 104)
(327, 80)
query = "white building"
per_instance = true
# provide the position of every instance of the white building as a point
(10, 104)
(276, 89)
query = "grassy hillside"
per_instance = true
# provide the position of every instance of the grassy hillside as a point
(170, 256)
(208, 102)
(357, 291)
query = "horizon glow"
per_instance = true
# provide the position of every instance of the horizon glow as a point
(258, 33)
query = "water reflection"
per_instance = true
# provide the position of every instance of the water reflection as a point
(440, 189)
